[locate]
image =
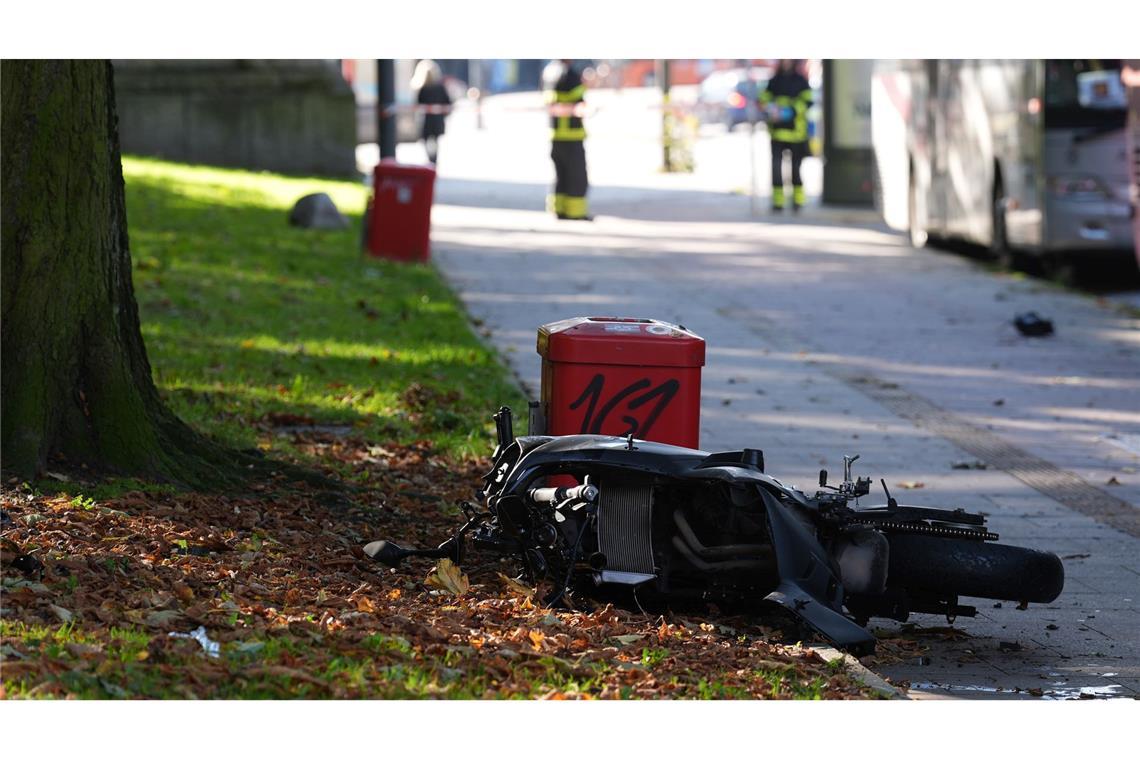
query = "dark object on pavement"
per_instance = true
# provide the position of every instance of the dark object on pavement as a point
(1009, 646)
(1032, 325)
(647, 523)
(317, 211)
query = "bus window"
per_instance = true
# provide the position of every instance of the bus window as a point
(1083, 93)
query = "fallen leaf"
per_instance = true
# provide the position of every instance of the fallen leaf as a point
(161, 618)
(448, 577)
(628, 638)
(364, 604)
(65, 616)
(517, 586)
(536, 639)
(7, 650)
(249, 647)
(911, 484)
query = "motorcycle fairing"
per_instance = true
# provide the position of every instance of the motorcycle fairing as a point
(809, 586)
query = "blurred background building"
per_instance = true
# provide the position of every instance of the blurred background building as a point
(292, 116)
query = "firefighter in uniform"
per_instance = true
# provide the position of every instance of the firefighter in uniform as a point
(564, 93)
(786, 101)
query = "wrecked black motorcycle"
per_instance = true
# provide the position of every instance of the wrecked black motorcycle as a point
(595, 514)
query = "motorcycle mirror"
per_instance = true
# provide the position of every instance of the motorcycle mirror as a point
(823, 478)
(386, 552)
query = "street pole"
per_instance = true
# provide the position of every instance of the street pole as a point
(385, 99)
(475, 74)
(666, 116)
(752, 166)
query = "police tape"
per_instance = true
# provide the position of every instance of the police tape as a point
(579, 110)
(557, 109)
(394, 109)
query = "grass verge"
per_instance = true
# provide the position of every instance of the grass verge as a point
(252, 325)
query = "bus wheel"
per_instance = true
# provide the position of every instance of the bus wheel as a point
(918, 235)
(1000, 249)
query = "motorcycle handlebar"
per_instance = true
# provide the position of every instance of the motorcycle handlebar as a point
(586, 492)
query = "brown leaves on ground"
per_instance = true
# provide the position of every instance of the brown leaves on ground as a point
(448, 577)
(276, 576)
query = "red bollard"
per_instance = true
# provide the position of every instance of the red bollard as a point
(399, 216)
(622, 376)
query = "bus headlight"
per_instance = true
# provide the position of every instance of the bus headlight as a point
(1077, 188)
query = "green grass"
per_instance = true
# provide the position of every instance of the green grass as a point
(122, 666)
(244, 316)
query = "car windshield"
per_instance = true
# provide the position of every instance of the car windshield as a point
(719, 85)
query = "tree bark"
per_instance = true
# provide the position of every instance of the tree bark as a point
(76, 383)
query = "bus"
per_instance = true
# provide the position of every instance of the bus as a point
(1027, 158)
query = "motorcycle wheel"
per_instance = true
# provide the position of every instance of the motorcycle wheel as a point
(963, 567)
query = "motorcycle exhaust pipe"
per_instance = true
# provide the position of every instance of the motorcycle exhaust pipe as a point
(721, 566)
(716, 554)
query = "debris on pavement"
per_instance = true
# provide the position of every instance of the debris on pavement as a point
(1032, 325)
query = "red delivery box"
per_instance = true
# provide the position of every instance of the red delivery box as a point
(399, 216)
(622, 376)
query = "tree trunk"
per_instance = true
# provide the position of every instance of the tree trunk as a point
(76, 383)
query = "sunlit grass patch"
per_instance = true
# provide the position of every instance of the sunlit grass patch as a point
(245, 317)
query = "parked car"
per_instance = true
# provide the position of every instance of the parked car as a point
(729, 97)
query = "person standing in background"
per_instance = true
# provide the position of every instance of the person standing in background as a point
(784, 103)
(430, 91)
(565, 94)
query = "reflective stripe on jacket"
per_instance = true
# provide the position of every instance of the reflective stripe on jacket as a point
(568, 90)
(789, 92)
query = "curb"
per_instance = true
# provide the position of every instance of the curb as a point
(856, 668)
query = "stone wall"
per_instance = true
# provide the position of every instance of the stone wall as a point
(290, 116)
